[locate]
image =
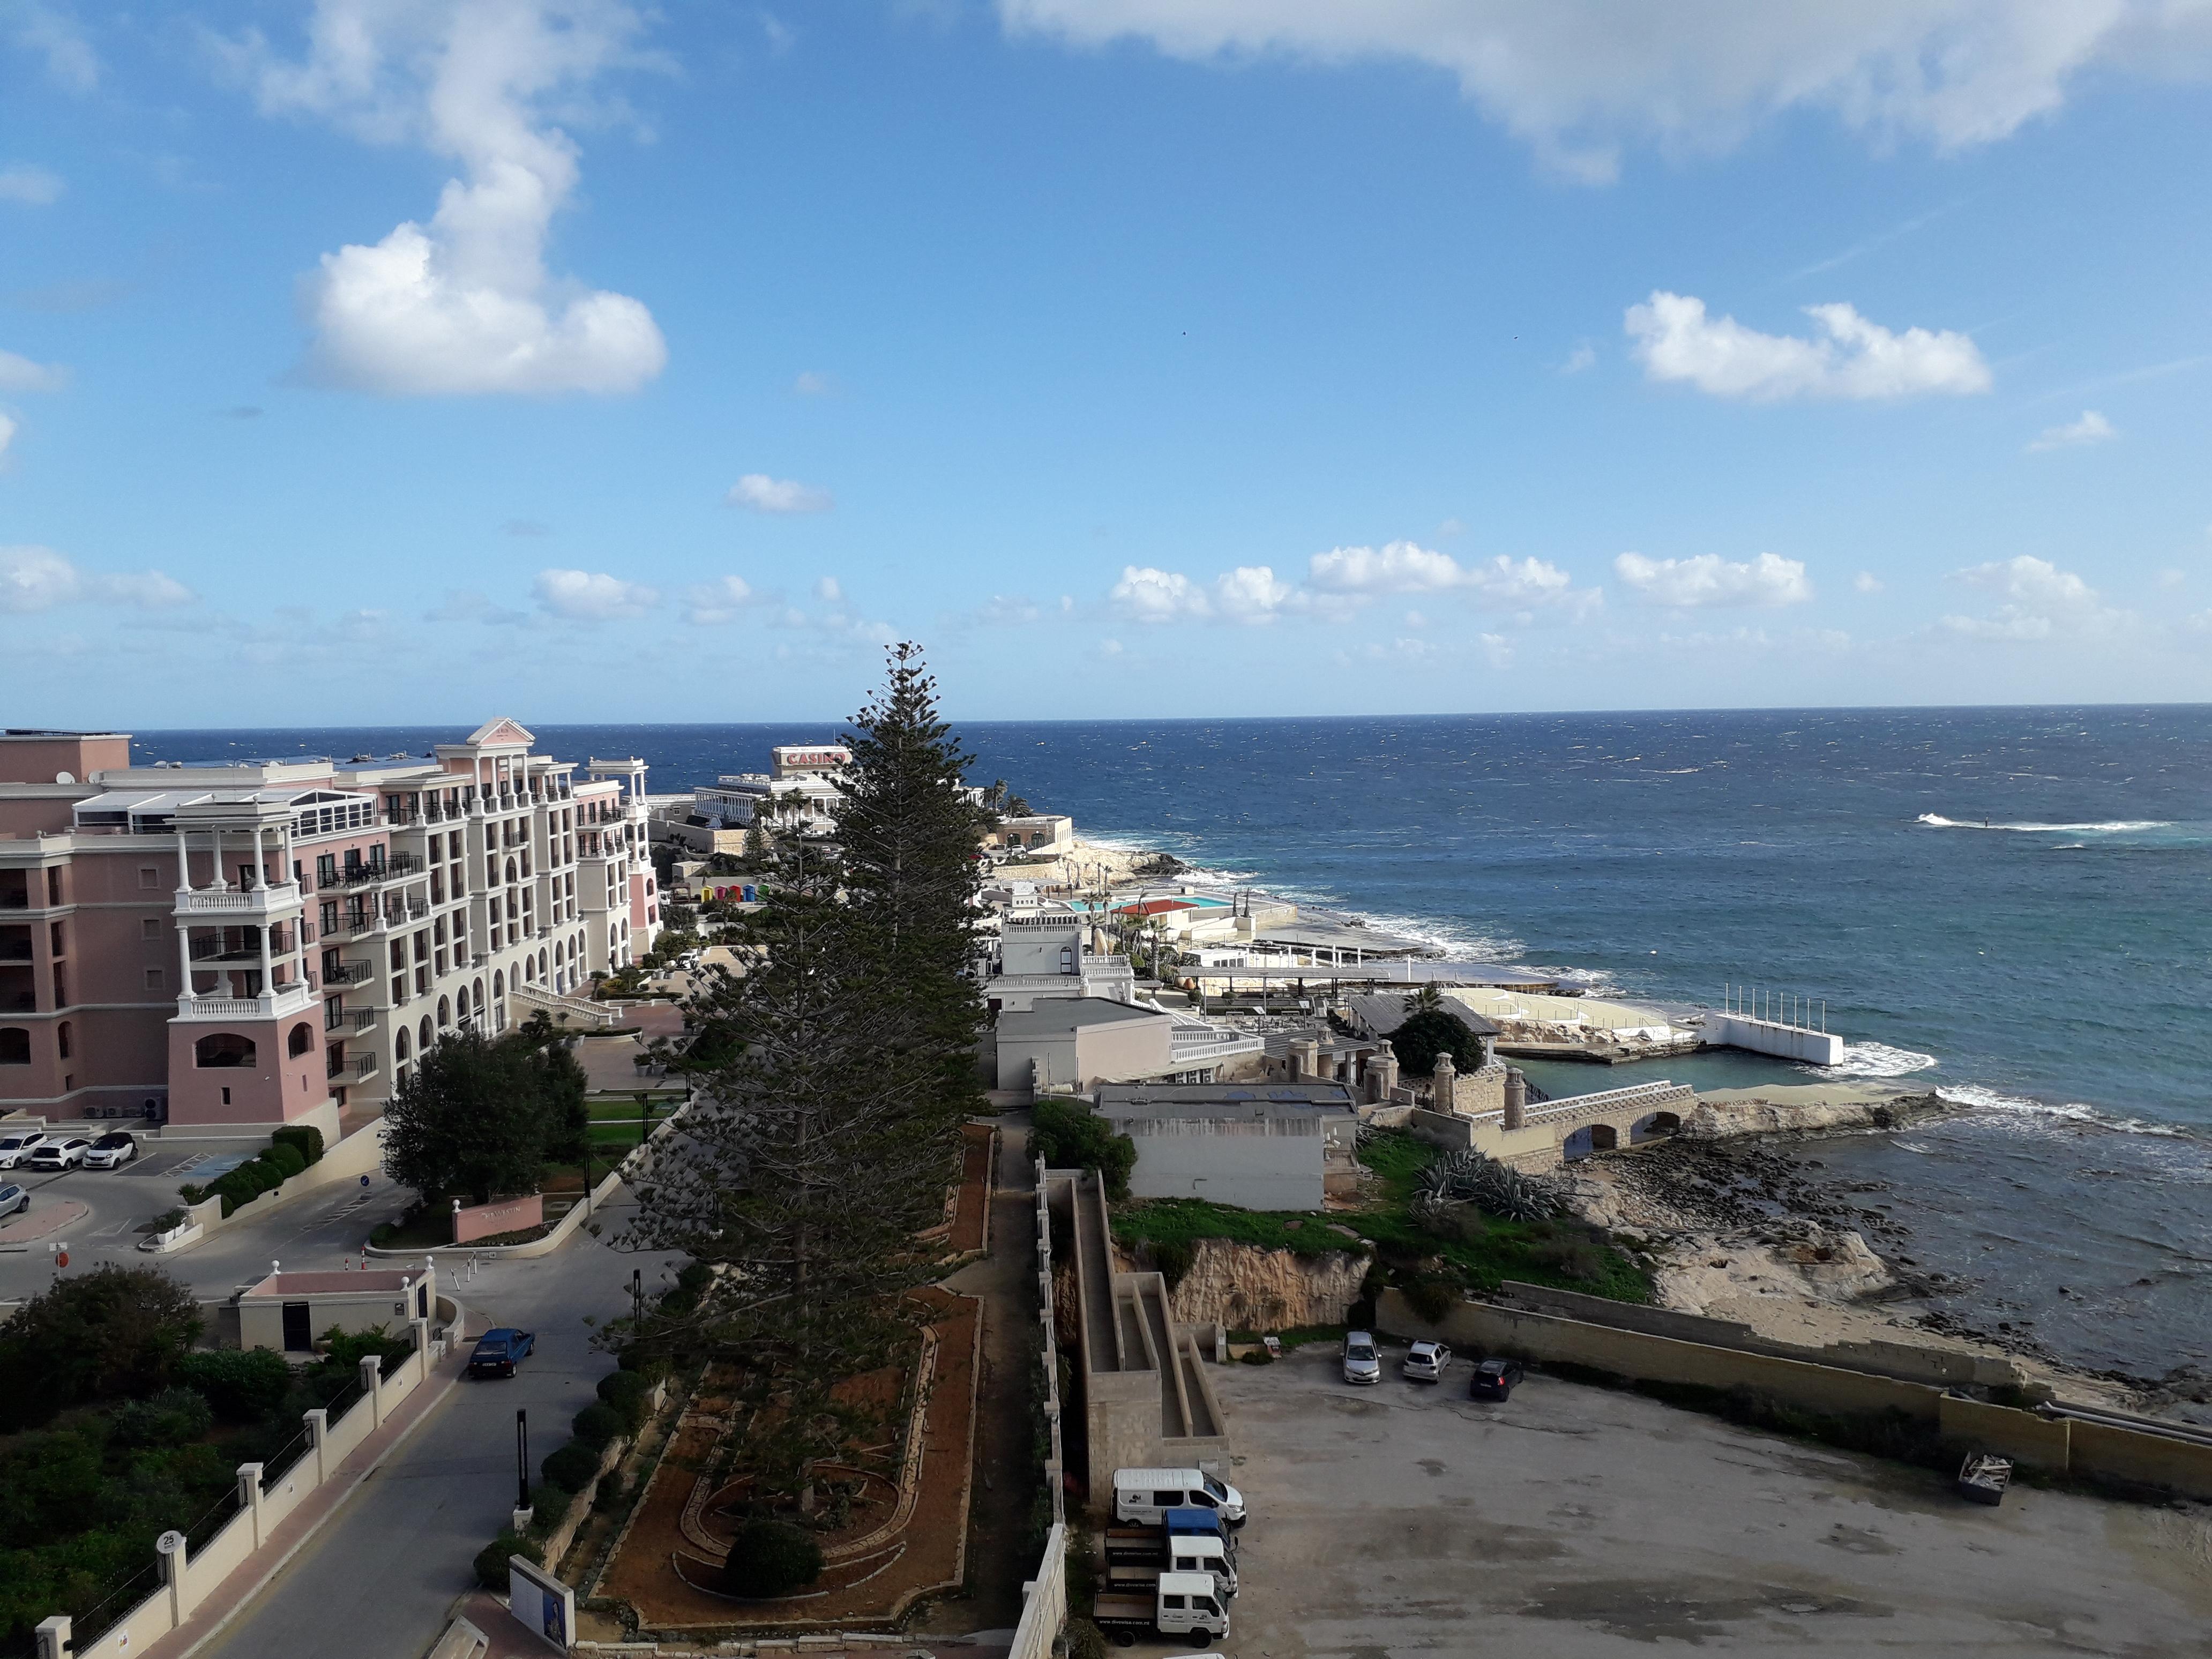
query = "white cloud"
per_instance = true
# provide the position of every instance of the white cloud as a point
(1851, 358)
(1709, 580)
(1406, 568)
(829, 590)
(1867, 582)
(71, 64)
(465, 306)
(2039, 601)
(2171, 577)
(1251, 593)
(812, 385)
(1581, 357)
(38, 579)
(1577, 79)
(8, 431)
(2091, 428)
(711, 604)
(1006, 610)
(466, 605)
(588, 596)
(22, 374)
(759, 493)
(1147, 594)
(32, 186)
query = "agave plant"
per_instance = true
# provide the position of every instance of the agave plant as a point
(1469, 1177)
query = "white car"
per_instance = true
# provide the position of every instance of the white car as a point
(111, 1151)
(1362, 1364)
(15, 1148)
(13, 1198)
(62, 1154)
(1425, 1362)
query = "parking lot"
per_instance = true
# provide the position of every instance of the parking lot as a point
(1396, 1519)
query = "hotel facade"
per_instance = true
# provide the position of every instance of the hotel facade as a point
(228, 946)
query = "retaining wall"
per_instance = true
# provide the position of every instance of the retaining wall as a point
(1044, 1602)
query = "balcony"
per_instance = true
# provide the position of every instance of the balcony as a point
(238, 949)
(285, 1001)
(368, 875)
(239, 900)
(349, 973)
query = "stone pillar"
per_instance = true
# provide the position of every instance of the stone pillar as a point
(1306, 1059)
(249, 1498)
(318, 1429)
(1516, 1098)
(1445, 1085)
(1381, 1072)
(372, 1386)
(175, 1559)
(54, 1636)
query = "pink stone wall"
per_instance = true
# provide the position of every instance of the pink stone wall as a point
(506, 1215)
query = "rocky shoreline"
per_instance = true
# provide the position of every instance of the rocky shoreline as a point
(1733, 1227)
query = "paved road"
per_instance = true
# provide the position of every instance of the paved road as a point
(377, 1582)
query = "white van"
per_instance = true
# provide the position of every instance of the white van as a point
(1145, 1496)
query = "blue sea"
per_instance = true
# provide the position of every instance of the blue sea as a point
(2008, 904)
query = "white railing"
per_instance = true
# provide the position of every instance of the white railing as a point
(247, 901)
(574, 1007)
(270, 1005)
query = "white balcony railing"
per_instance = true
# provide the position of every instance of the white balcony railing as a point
(239, 900)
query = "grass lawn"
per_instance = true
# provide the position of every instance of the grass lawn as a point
(623, 1108)
(1487, 1252)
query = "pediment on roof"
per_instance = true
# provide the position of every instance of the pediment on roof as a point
(501, 731)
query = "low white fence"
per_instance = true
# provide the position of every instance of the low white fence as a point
(189, 1576)
(1044, 1601)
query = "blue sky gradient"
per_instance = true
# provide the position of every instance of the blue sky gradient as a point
(1041, 329)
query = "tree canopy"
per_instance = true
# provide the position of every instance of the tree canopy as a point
(114, 1333)
(479, 1117)
(1419, 1042)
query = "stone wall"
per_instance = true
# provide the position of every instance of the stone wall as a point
(1249, 1288)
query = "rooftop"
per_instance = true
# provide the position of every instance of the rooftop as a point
(386, 1282)
(1126, 1100)
(1070, 1013)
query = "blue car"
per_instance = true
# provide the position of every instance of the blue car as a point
(498, 1352)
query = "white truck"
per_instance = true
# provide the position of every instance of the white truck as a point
(1180, 1604)
(1190, 1540)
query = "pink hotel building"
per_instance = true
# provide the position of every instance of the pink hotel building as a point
(232, 945)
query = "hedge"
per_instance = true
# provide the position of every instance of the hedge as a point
(287, 1159)
(492, 1558)
(241, 1385)
(625, 1394)
(596, 1426)
(304, 1137)
(572, 1468)
(771, 1558)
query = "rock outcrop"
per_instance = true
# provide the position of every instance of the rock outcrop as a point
(1724, 1119)
(1249, 1289)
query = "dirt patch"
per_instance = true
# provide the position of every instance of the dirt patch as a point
(971, 1207)
(660, 1572)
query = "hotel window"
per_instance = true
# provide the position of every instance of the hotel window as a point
(150, 930)
(153, 979)
(148, 875)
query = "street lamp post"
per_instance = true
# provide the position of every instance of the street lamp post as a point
(521, 1459)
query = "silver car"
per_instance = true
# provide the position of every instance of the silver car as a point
(1362, 1364)
(14, 1198)
(1425, 1362)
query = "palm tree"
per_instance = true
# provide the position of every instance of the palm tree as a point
(1426, 1001)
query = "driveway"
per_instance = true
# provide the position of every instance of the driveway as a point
(1399, 1520)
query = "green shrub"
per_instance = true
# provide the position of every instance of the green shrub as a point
(1071, 1136)
(1085, 1640)
(695, 1276)
(1570, 1258)
(572, 1468)
(492, 1559)
(286, 1159)
(644, 1361)
(1419, 1042)
(345, 1350)
(625, 1394)
(306, 1137)
(174, 1417)
(1174, 1258)
(1255, 1357)
(771, 1558)
(597, 1424)
(240, 1385)
(1432, 1298)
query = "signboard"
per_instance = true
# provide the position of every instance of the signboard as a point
(541, 1601)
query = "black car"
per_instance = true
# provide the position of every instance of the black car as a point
(497, 1352)
(1494, 1379)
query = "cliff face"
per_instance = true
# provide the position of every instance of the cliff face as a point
(1255, 1290)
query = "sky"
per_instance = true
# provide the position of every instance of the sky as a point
(403, 361)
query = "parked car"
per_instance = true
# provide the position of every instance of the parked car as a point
(1362, 1364)
(1145, 1496)
(111, 1151)
(1425, 1362)
(63, 1153)
(15, 1148)
(13, 1198)
(1494, 1379)
(497, 1352)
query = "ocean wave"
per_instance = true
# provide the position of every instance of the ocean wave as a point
(1877, 1059)
(2115, 827)
(1990, 1100)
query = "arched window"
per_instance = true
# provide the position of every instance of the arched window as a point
(428, 1037)
(62, 1038)
(477, 1001)
(300, 1040)
(461, 1004)
(499, 985)
(445, 1012)
(223, 1048)
(541, 962)
(14, 1046)
(510, 872)
(401, 1047)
